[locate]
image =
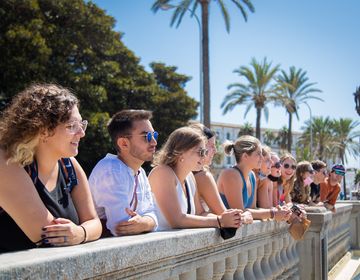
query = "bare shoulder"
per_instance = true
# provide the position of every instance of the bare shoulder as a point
(229, 174)
(162, 174)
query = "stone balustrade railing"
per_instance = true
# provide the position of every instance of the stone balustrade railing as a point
(262, 250)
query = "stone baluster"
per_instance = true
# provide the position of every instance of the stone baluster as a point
(284, 257)
(249, 268)
(273, 261)
(189, 275)
(242, 262)
(205, 272)
(231, 264)
(295, 257)
(278, 258)
(265, 262)
(259, 273)
(218, 270)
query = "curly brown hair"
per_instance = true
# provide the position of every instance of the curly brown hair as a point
(37, 109)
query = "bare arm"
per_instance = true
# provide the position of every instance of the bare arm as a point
(17, 189)
(163, 185)
(207, 190)
(84, 204)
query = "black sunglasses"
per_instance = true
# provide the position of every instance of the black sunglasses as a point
(203, 152)
(287, 166)
(277, 165)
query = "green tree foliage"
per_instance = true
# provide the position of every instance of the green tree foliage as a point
(72, 43)
(257, 92)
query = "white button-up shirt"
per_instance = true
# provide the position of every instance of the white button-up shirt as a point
(112, 185)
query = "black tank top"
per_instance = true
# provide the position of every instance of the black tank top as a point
(58, 202)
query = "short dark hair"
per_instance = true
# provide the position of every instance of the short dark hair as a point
(318, 164)
(121, 123)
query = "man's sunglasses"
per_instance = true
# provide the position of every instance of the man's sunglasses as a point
(148, 135)
(287, 166)
(277, 165)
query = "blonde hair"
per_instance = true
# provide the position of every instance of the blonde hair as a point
(244, 144)
(179, 141)
(39, 108)
(288, 184)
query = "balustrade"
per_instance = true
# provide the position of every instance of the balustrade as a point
(262, 250)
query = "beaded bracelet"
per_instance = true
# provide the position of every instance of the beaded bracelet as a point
(85, 235)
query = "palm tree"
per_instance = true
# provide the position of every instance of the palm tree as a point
(269, 137)
(322, 136)
(179, 12)
(281, 138)
(344, 140)
(294, 90)
(257, 92)
(246, 129)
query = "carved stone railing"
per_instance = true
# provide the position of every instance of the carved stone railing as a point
(262, 250)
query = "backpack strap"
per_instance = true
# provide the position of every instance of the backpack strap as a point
(68, 171)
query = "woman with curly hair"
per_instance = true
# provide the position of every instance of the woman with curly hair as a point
(174, 185)
(304, 177)
(44, 193)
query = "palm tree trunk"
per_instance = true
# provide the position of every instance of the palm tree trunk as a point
(258, 119)
(289, 136)
(205, 75)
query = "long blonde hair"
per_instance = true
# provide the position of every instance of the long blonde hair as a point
(179, 141)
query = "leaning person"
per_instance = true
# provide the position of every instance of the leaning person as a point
(237, 185)
(330, 189)
(44, 193)
(319, 177)
(118, 183)
(205, 181)
(174, 185)
(304, 177)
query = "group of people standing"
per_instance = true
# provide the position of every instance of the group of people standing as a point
(47, 200)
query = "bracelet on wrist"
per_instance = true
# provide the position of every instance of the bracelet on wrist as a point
(85, 235)
(272, 213)
(218, 220)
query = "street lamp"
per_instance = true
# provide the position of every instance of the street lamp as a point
(166, 7)
(311, 134)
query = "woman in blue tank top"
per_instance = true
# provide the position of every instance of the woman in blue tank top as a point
(237, 185)
(44, 194)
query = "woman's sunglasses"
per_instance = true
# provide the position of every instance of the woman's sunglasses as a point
(277, 165)
(287, 166)
(202, 152)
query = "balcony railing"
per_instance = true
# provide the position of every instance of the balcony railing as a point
(262, 250)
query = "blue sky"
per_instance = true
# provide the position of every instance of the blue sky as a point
(321, 37)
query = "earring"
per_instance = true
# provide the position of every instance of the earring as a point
(182, 160)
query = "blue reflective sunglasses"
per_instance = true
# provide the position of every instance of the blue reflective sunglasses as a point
(148, 135)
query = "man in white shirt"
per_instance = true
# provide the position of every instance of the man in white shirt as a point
(119, 185)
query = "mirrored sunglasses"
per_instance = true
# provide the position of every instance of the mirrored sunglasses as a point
(277, 165)
(287, 166)
(75, 126)
(150, 135)
(203, 152)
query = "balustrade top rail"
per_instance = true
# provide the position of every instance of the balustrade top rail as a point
(266, 247)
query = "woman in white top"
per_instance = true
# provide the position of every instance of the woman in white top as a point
(174, 186)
